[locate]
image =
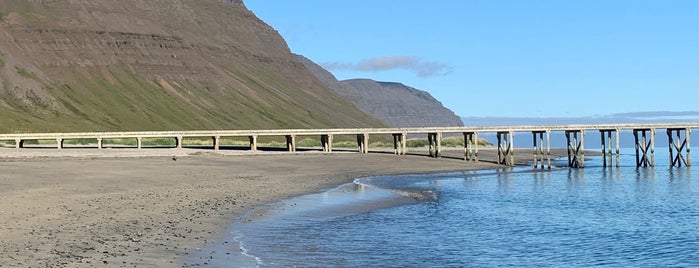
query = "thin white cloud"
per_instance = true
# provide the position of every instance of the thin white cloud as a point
(416, 65)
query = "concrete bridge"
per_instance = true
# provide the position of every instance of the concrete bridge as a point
(678, 135)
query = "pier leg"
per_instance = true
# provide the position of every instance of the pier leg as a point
(604, 148)
(677, 146)
(618, 150)
(139, 142)
(644, 147)
(396, 144)
(606, 139)
(538, 149)
(576, 148)
(430, 141)
(438, 143)
(217, 142)
(505, 150)
(330, 143)
(637, 146)
(511, 148)
(363, 143)
(399, 143)
(291, 143)
(99, 143)
(688, 132)
(59, 143)
(404, 137)
(253, 143)
(435, 144)
(178, 142)
(19, 144)
(471, 146)
(326, 143)
(548, 147)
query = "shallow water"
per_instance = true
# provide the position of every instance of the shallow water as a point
(569, 217)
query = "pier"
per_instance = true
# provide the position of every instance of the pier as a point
(644, 135)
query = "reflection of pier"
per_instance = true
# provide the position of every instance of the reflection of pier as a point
(644, 135)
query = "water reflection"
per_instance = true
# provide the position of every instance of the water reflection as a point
(542, 180)
(576, 180)
(505, 179)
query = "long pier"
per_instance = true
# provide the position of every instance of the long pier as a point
(678, 135)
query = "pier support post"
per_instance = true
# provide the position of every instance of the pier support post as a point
(643, 145)
(291, 143)
(363, 143)
(59, 143)
(217, 142)
(99, 143)
(178, 142)
(576, 148)
(538, 149)
(606, 139)
(506, 148)
(678, 145)
(399, 143)
(471, 146)
(139, 142)
(253, 143)
(19, 143)
(326, 141)
(434, 141)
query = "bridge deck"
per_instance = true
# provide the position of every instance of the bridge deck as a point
(678, 136)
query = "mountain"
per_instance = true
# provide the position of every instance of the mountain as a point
(395, 104)
(105, 65)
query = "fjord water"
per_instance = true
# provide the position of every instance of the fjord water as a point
(606, 217)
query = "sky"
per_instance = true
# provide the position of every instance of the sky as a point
(496, 58)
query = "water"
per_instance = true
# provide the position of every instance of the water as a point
(624, 217)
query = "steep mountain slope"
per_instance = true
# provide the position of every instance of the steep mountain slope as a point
(83, 65)
(395, 104)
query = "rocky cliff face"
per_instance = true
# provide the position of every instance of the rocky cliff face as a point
(395, 104)
(70, 65)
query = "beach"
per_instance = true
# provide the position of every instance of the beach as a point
(133, 208)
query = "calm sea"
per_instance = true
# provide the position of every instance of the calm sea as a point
(613, 217)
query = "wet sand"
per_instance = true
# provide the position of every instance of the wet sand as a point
(135, 208)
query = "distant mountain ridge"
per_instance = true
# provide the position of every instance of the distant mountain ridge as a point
(104, 65)
(395, 104)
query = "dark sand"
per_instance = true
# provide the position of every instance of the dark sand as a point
(136, 208)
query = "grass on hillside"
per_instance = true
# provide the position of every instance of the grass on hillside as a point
(119, 100)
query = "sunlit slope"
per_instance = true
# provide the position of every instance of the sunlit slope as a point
(102, 65)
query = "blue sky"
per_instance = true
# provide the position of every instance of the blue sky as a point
(507, 58)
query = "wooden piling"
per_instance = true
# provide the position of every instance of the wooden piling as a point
(678, 145)
(645, 147)
(576, 148)
(326, 142)
(471, 146)
(253, 143)
(399, 143)
(178, 142)
(290, 143)
(217, 142)
(538, 149)
(363, 143)
(505, 148)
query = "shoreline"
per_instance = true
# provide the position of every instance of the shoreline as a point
(127, 209)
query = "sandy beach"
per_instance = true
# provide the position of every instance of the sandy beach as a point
(136, 208)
